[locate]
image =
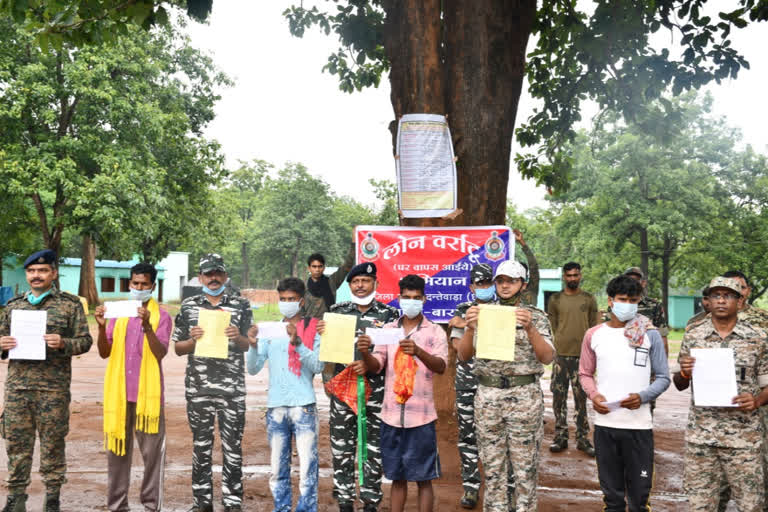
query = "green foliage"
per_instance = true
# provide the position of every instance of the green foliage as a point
(107, 140)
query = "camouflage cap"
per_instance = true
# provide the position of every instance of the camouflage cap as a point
(211, 262)
(634, 271)
(728, 283)
(481, 272)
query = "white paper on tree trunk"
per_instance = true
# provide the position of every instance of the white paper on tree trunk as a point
(28, 327)
(426, 169)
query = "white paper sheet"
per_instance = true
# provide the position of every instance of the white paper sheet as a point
(613, 399)
(425, 165)
(385, 336)
(28, 327)
(714, 377)
(122, 309)
(272, 330)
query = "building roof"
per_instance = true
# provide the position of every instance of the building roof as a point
(76, 262)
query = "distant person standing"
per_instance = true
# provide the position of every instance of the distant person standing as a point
(571, 313)
(650, 307)
(215, 388)
(321, 289)
(37, 393)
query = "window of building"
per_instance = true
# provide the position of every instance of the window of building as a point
(124, 282)
(107, 284)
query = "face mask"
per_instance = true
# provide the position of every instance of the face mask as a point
(142, 295)
(411, 307)
(485, 294)
(364, 301)
(624, 311)
(289, 309)
(37, 300)
(214, 293)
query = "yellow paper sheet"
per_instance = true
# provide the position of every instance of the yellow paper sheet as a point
(337, 344)
(214, 342)
(496, 332)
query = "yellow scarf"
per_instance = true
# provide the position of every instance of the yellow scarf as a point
(150, 390)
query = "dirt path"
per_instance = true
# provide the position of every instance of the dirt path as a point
(568, 480)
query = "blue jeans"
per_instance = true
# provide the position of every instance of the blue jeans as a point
(302, 423)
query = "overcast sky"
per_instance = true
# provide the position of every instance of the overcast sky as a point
(283, 108)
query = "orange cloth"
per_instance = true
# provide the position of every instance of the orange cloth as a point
(344, 387)
(405, 376)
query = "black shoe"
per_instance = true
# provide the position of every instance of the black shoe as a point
(233, 508)
(52, 503)
(586, 447)
(16, 503)
(370, 507)
(346, 507)
(469, 500)
(202, 508)
(558, 446)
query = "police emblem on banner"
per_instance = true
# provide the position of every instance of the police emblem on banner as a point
(369, 247)
(495, 247)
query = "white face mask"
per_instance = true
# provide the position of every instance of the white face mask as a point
(411, 307)
(624, 311)
(142, 295)
(364, 301)
(289, 309)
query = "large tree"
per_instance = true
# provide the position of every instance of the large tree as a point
(467, 59)
(107, 140)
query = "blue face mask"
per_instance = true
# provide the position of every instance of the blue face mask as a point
(411, 307)
(485, 294)
(142, 295)
(214, 293)
(37, 300)
(624, 311)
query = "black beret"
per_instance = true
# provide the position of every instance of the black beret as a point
(363, 269)
(46, 256)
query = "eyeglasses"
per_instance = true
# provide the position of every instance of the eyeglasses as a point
(724, 296)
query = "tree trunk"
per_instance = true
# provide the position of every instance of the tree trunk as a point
(666, 257)
(466, 61)
(644, 256)
(246, 270)
(87, 286)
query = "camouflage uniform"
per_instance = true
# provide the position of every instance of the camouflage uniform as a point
(215, 388)
(510, 420)
(531, 293)
(343, 421)
(37, 393)
(726, 443)
(466, 387)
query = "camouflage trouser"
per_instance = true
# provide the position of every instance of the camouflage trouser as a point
(470, 470)
(725, 490)
(344, 447)
(509, 431)
(27, 411)
(565, 371)
(202, 412)
(707, 466)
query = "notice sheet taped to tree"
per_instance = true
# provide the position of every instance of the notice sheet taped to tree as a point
(426, 168)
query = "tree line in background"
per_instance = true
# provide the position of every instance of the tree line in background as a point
(674, 193)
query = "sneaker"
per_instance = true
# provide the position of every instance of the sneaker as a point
(469, 500)
(558, 445)
(346, 507)
(233, 508)
(586, 447)
(202, 508)
(370, 507)
(16, 503)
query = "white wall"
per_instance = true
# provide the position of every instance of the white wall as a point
(175, 265)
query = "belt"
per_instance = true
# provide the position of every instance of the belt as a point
(506, 382)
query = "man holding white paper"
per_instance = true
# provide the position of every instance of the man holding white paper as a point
(624, 352)
(509, 404)
(135, 345)
(215, 387)
(725, 443)
(37, 392)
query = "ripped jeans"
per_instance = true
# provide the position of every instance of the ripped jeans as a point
(283, 423)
